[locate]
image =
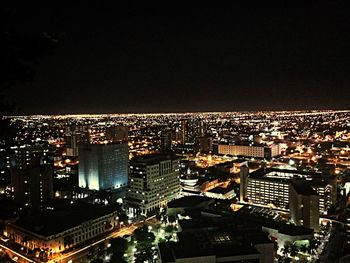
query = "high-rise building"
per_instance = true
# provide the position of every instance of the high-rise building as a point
(166, 141)
(201, 128)
(103, 166)
(33, 185)
(5, 165)
(117, 134)
(75, 134)
(243, 176)
(31, 168)
(270, 186)
(304, 204)
(154, 180)
(204, 144)
(26, 155)
(183, 131)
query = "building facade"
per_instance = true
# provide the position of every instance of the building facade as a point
(75, 134)
(154, 180)
(304, 205)
(204, 144)
(103, 166)
(31, 169)
(243, 178)
(26, 155)
(166, 141)
(250, 150)
(270, 186)
(40, 236)
(33, 186)
(117, 134)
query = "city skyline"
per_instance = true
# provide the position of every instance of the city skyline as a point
(268, 186)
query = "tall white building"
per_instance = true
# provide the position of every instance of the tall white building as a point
(103, 166)
(154, 180)
(270, 186)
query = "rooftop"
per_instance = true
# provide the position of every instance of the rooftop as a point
(282, 173)
(205, 243)
(285, 175)
(188, 201)
(303, 188)
(220, 190)
(247, 143)
(155, 158)
(50, 222)
(245, 214)
(232, 227)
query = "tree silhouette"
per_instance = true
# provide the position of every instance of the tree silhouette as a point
(116, 258)
(20, 54)
(97, 260)
(123, 218)
(144, 245)
(303, 248)
(293, 250)
(118, 246)
(313, 245)
(91, 253)
(286, 249)
(101, 250)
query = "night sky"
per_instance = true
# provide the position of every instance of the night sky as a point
(112, 59)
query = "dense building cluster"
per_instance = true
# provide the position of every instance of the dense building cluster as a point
(213, 187)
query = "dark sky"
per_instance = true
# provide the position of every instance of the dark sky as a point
(112, 59)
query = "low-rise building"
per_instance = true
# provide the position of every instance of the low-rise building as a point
(231, 167)
(190, 186)
(187, 203)
(278, 231)
(61, 228)
(249, 149)
(223, 191)
(217, 240)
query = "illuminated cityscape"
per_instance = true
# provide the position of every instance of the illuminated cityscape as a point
(174, 134)
(292, 198)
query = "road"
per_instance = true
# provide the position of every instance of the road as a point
(78, 254)
(13, 254)
(81, 253)
(75, 255)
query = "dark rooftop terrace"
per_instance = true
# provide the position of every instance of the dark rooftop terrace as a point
(150, 159)
(303, 188)
(55, 221)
